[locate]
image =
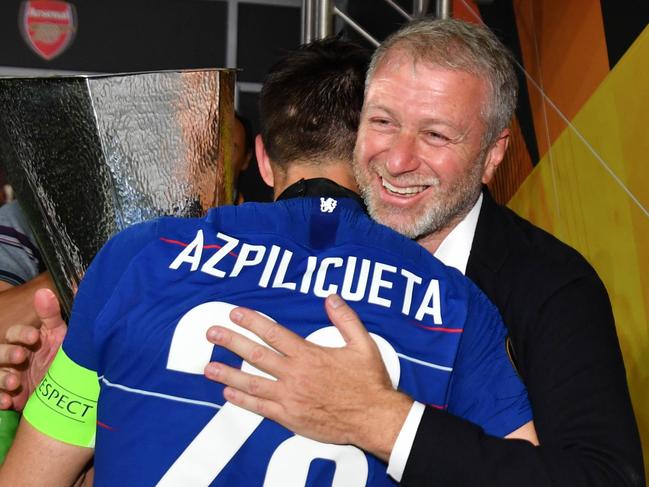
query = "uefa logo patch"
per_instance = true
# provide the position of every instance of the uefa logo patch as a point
(48, 26)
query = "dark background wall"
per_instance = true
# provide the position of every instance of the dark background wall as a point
(123, 35)
(142, 35)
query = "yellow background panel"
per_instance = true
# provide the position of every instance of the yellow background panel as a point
(572, 194)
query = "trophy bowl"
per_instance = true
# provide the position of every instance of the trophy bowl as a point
(89, 155)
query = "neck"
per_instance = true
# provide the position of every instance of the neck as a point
(432, 241)
(339, 172)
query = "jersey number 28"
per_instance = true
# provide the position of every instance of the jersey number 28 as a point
(217, 443)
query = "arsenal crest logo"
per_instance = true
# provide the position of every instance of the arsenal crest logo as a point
(48, 26)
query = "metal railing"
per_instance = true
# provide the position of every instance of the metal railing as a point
(318, 17)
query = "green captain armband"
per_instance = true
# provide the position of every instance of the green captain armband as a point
(64, 405)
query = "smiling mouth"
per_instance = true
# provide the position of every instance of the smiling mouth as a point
(403, 191)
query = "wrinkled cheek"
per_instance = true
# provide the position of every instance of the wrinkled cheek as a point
(359, 148)
(360, 173)
(369, 145)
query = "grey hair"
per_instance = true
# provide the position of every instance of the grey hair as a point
(458, 45)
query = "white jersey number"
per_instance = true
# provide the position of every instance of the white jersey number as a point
(217, 443)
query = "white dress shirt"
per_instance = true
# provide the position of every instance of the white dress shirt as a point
(454, 252)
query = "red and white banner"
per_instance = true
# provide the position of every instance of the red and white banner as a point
(48, 26)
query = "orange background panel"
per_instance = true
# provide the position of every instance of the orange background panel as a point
(564, 51)
(517, 163)
(515, 167)
(466, 10)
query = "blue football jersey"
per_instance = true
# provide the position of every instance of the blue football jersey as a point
(142, 310)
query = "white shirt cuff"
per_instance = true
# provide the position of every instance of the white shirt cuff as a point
(405, 439)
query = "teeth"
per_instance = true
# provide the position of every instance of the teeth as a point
(402, 191)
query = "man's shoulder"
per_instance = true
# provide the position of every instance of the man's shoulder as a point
(526, 248)
(544, 250)
(301, 219)
(529, 274)
(321, 223)
(131, 241)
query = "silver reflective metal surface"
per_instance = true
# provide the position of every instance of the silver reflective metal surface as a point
(90, 155)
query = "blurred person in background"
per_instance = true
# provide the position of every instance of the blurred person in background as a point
(243, 152)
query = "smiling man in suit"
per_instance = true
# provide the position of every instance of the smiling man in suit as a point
(439, 98)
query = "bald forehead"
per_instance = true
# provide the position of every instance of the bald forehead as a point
(395, 59)
(398, 58)
(392, 58)
(420, 50)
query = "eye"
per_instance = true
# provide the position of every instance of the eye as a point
(437, 138)
(380, 121)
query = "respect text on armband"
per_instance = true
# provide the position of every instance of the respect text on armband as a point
(63, 401)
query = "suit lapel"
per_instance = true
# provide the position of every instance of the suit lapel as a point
(490, 248)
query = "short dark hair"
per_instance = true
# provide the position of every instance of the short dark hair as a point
(311, 100)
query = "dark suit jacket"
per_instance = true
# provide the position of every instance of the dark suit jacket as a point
(561, 327)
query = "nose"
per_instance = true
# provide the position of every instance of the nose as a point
(402, 157)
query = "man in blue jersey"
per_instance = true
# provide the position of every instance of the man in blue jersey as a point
(135, 353)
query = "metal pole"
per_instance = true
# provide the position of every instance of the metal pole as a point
(356, 27)
(325, 19)
(308, 20)
(399, 10)
(443, 9)
(420, 8)
(317, 19)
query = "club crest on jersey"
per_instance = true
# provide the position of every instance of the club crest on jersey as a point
(48, 26)
(328, 205)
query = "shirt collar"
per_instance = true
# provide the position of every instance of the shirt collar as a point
(455, 248)
(319, 187)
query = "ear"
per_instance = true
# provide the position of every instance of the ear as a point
(263, 160)
(495, 156)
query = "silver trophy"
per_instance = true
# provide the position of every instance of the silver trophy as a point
(91, 155)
